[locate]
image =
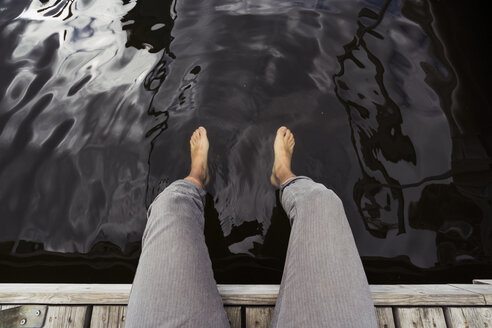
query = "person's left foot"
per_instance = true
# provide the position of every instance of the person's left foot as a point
(199, 152)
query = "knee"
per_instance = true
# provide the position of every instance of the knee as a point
(173, 197)
(325, 196)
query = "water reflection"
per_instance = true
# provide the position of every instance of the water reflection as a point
(460, 211)
(148, 30)
(98, 100)
(375, 123)
(69, 127)
(60, 8)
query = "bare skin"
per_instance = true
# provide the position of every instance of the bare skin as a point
(199, 152)
(283, 148)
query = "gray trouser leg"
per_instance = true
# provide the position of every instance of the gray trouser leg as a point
(174, 284)
(323, 283)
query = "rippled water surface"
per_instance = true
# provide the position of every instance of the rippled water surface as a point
(99, 98)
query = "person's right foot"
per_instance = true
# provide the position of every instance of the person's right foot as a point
(199, 153)
(283, 148)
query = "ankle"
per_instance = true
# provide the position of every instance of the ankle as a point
(195, 180)
(286, 178)
(284, 174)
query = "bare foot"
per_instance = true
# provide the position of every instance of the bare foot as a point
(199, 152)
(283, 148)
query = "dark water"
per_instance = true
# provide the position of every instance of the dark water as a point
(388, 100)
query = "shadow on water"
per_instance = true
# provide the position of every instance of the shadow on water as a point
(145, 28)
(459, 212)
(99, 100)
(375, 123)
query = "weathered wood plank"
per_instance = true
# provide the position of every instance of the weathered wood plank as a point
(65, 293)
(111, 316)
(66, 317)
(117, 294)
(484, 290)
(432, 317)
(385, 317)
(249, 294)
(482, 281)
(8, 306)
(408, 295)
(234, 315)
(468, 317)
(258, 317)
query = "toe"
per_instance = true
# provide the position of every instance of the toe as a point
(281, 130)
(202, 130)
(194, 136)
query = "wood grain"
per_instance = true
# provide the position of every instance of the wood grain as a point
(432, 317)
(408, 295)
(249, 294)
(468, 317)
(117, 294)
(65, 293)
(234, 316)
(111, 316)
(258, 317)
(483, 289)
(66, 317)
(385, 317)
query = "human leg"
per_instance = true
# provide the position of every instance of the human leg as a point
(174, 284)
(323, 283)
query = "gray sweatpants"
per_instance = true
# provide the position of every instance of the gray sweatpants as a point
(323, 283)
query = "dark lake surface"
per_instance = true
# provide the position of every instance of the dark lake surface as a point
(389, 102)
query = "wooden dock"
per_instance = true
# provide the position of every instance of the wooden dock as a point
(95, 305)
